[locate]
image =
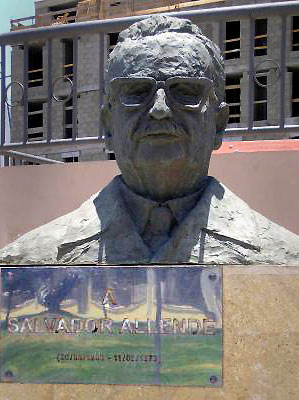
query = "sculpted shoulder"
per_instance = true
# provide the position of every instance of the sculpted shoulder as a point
(38, 246)
(41, 245)
(243, 235)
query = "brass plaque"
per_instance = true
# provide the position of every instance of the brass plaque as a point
(112, 325)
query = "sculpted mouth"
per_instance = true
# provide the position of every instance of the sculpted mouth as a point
(160, 136)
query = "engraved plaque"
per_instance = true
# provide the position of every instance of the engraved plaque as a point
(112, 325)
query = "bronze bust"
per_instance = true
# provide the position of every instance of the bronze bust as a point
(163, 115)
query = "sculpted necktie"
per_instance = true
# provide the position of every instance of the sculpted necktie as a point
(158, 227)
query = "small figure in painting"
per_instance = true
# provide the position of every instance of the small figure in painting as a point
(108, 301)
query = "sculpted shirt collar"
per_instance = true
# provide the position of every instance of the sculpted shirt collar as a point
(140, 207)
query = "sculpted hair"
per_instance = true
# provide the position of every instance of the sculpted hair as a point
(156, 25)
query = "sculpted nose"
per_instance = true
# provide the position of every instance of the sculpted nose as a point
(160, 109)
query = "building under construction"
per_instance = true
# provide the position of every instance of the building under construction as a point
(274, 62)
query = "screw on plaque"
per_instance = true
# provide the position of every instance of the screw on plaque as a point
(8, 374)
(213, 380)
(212, 277)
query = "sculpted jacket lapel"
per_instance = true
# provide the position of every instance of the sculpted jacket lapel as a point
(102, 232)
(220, 229)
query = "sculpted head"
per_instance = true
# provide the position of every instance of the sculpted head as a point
(164, 112)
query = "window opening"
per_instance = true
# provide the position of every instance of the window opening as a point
(71, 159)
(29, 163)
(233, 98)
(68, 65)
(35, 121)
(260, 38)
(67, 14)
(232, 40)
(68, 119)
(112, 40)
(295, 33)
(111, 156)
(295, 93)
(260, 98)
(35, 66)
(35, 115)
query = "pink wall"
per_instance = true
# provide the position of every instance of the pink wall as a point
(266, 178)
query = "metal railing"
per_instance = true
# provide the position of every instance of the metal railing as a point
(47, 19)
(101, 28)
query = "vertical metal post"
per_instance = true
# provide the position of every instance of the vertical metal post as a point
(3, 94)
(282, 71)
(157, 337)
(251, 75)
(75, 87)
(1, 301)
(221, 35)
(25, 98)
(102, 60)
(49, 92)
(150, 276)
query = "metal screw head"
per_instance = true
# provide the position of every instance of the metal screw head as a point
(212, 277)
(8, 375)
(213, 380)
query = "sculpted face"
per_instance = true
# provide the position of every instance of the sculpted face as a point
(162, 120)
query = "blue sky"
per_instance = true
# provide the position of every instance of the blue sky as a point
(11, 9)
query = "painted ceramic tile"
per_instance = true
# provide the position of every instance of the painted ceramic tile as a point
(112, 325)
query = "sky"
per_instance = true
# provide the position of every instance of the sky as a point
(12, 9)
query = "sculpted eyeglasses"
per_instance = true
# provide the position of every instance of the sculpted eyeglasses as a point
(182, 92)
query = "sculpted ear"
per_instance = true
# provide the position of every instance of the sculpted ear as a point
(221, 123)
(105, 117)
